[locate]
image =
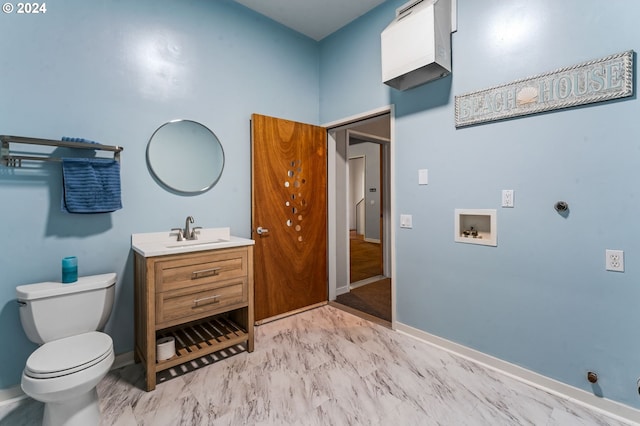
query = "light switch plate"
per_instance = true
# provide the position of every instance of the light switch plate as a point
(406, 221)
(423, 177)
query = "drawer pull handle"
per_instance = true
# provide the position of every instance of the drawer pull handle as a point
(210, 300)
(205, 273)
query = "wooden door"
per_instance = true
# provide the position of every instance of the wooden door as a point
(289, 215)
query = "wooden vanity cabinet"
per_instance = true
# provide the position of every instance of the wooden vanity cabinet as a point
(203, 299)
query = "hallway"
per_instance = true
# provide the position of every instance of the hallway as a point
(365, 260)
(371, 294)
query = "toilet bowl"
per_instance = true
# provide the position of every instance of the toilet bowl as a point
(73, 357)
(64, 373)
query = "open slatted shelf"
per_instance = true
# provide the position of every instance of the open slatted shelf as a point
(201, 338)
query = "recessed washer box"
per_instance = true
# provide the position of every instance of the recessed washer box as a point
(476, 226)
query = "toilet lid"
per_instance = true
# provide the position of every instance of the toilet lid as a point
(68, 355)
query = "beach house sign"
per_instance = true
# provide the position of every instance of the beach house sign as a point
(594, 81)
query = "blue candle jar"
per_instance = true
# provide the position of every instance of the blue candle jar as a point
(69, 269)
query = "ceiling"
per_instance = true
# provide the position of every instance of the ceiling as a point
(313, 18)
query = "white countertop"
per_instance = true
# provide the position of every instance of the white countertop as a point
(164, 243)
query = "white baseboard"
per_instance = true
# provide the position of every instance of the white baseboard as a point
(372, 240)
(366, 281)
(9, 395)
(611, 408)
(13, 394)
(122, 360)
(361, 283)
(342, 290)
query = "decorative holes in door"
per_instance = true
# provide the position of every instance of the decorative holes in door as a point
(296, 204)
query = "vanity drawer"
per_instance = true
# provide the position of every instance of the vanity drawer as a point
(199, 301)
(183, 271)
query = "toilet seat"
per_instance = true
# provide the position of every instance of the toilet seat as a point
(68, 355)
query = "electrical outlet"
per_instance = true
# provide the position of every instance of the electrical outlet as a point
(614, 260)
(507, 198)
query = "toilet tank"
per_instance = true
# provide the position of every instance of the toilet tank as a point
(52, 310)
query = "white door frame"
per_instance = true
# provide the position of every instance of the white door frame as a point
(338, 238)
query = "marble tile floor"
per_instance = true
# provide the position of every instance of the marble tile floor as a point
(326, 367)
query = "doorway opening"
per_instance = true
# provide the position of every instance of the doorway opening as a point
(360, 216)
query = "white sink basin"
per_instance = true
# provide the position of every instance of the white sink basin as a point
(165, 243)
(191, 243)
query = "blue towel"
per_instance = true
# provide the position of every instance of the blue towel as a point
(90, 185)
(68, 139)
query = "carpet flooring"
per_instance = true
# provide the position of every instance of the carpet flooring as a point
(373, 299)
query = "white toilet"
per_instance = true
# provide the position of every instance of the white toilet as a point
(73, 357)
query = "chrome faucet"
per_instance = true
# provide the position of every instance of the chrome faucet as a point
(187, 233)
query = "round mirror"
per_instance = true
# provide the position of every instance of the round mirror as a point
(185, 156)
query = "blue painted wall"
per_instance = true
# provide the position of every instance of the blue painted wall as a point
(114, 71)
(542, 298)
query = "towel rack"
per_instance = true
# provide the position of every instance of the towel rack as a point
(10, 160)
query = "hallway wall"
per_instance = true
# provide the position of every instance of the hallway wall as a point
(372, 190)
